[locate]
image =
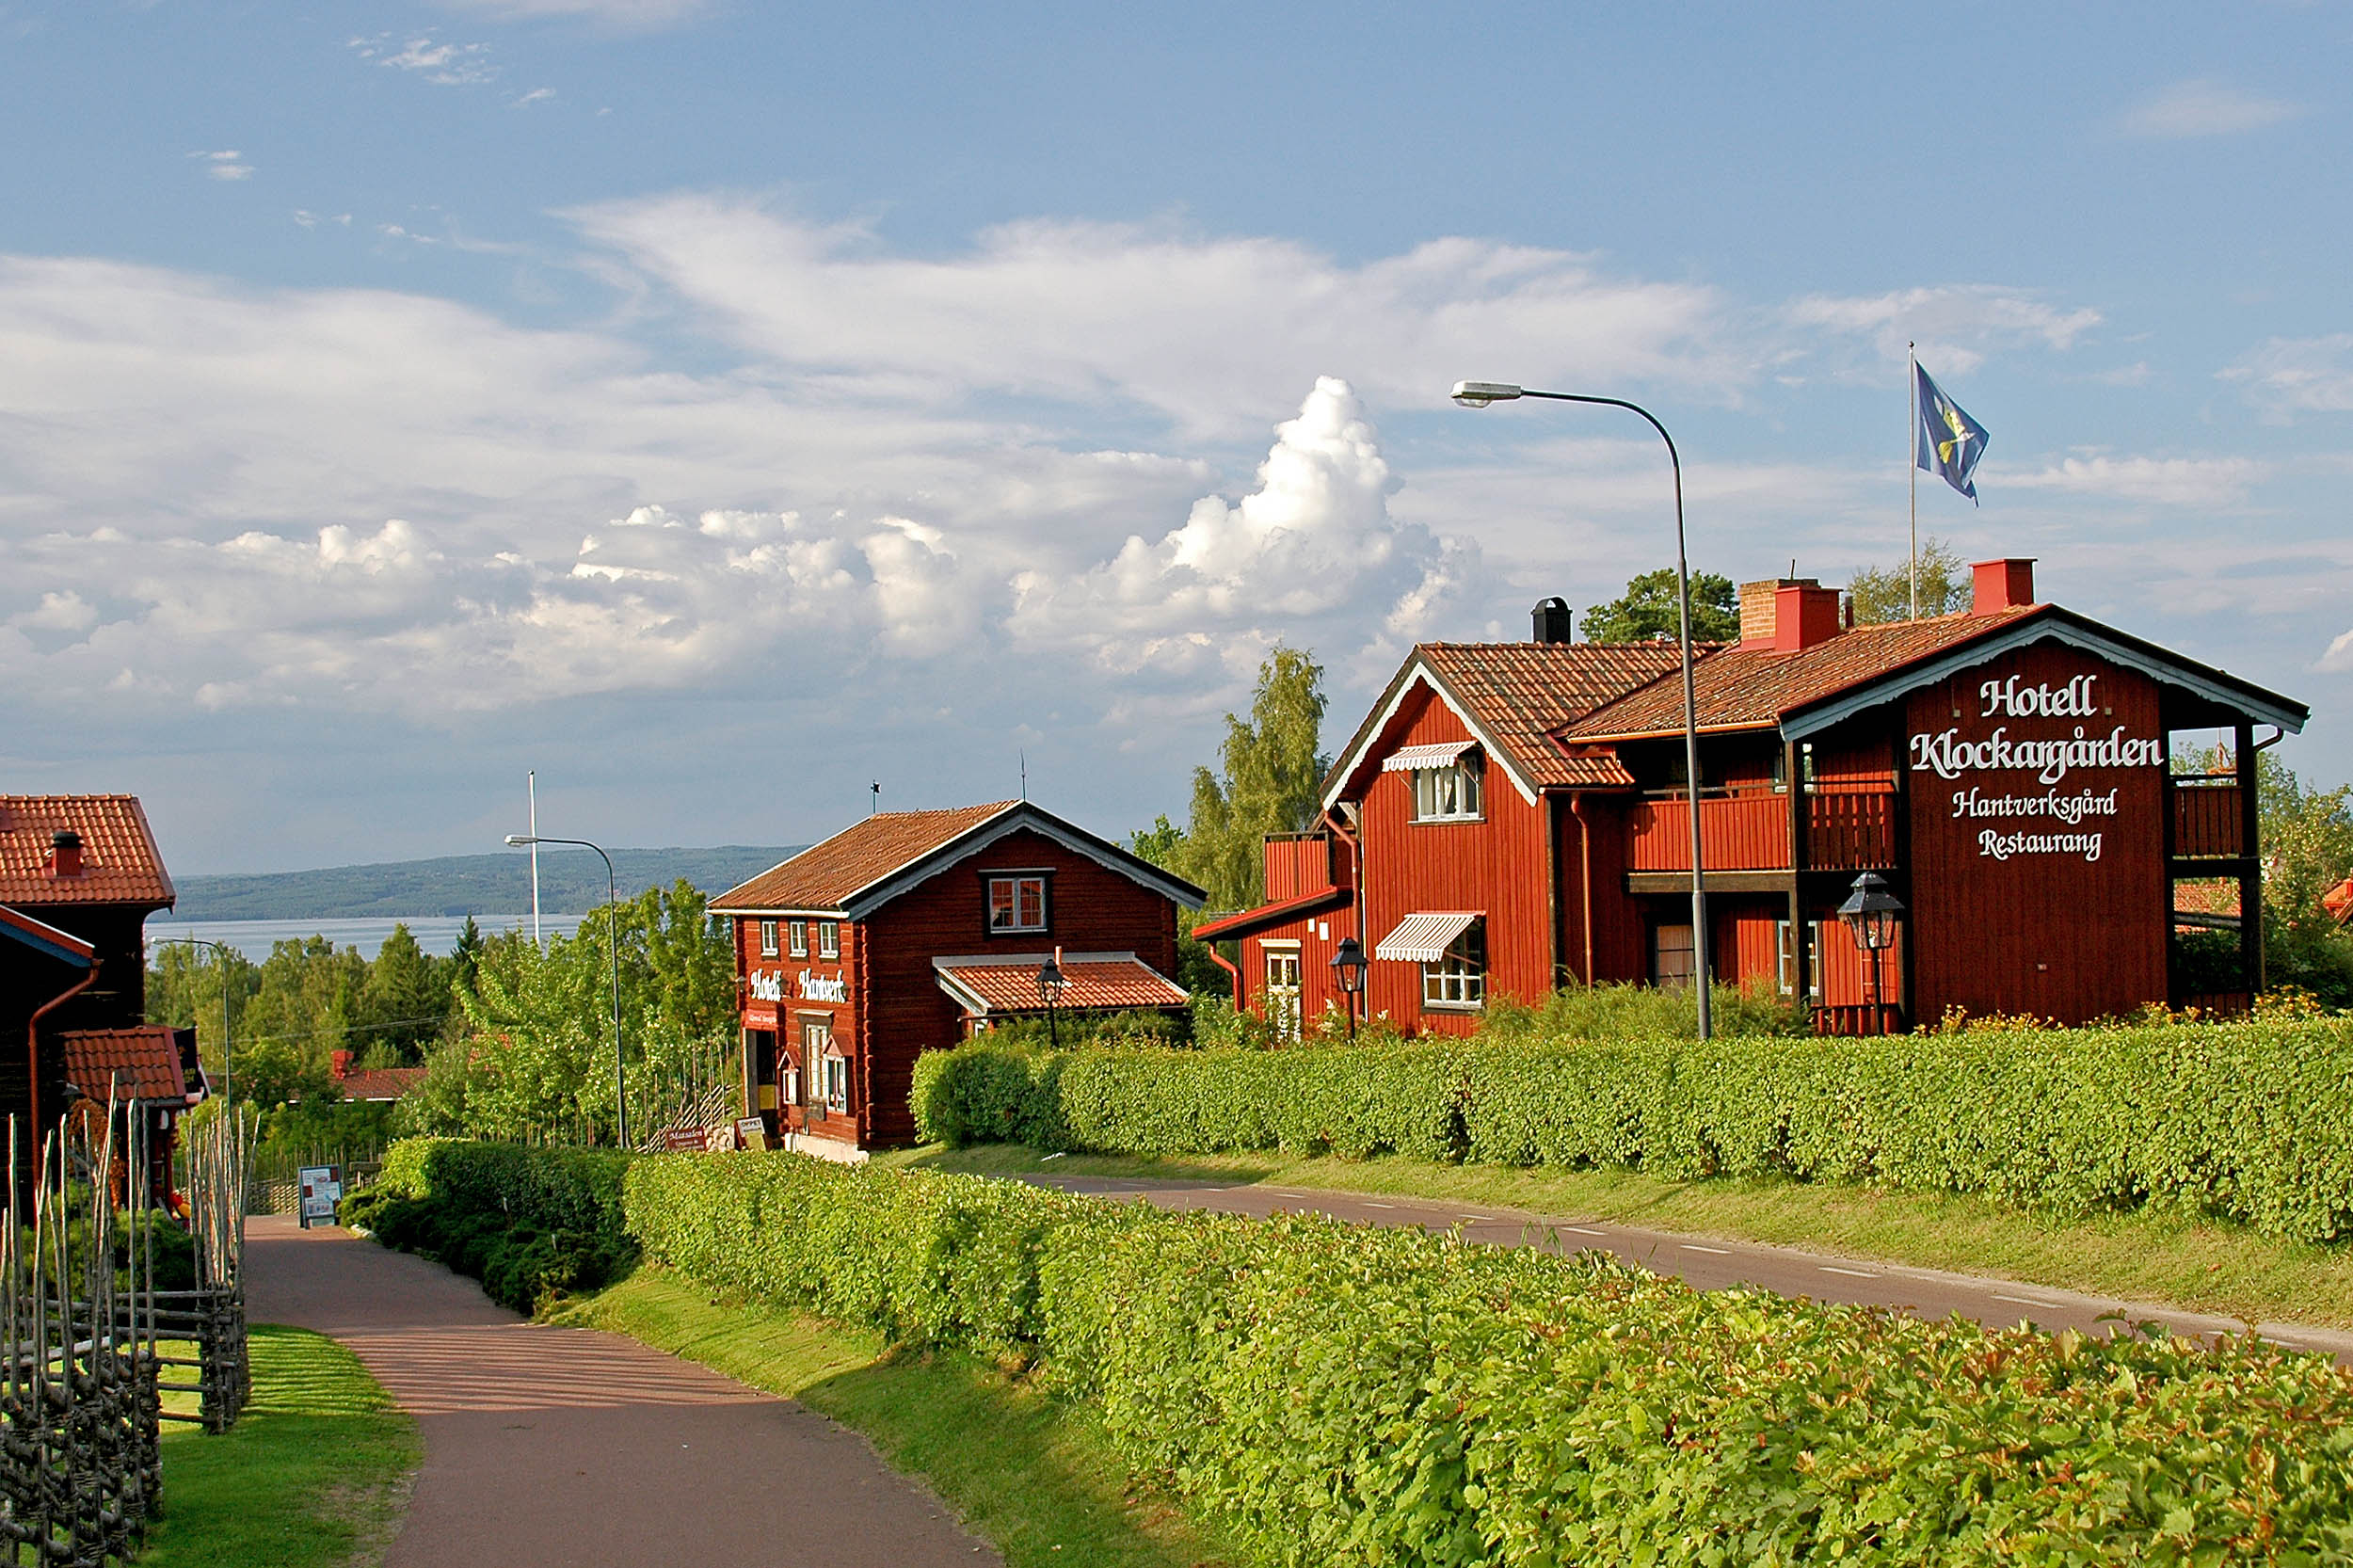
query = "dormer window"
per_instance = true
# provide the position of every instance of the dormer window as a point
(1450, 793)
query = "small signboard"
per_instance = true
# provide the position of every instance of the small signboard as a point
(751, 1132)
(321, 1188)
(683, 1139)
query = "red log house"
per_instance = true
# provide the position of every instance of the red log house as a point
(79, 874)
(1511, 818)
(913, 930)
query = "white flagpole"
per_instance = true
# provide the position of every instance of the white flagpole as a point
(531, 782)
(1912, 465)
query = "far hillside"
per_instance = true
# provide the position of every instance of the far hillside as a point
(571, 882)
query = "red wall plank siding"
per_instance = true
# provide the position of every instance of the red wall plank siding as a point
(1744, 832)
(2058, 930)
(1496, 866)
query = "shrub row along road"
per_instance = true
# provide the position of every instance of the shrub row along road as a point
(559, 1446)
(1710, 1263)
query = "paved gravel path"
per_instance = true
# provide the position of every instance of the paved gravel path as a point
(566, 1446)
(1710, 1263)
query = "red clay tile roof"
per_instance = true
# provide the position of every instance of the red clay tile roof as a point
(142, 1063)
(1008, 983)
(1521, 693)
(1739, 688)
(119, 862)
(2217, 897)
(823, 876)
(379, 1083)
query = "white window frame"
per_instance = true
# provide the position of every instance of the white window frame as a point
(1457, 983)
(767, 938)
(1018, 882)
(836, 1070)
(1456, 792)
(1284, 1003)
(828, 939)
(798, 931)
(1789, 959)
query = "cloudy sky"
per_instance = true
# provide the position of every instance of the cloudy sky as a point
(722, 405)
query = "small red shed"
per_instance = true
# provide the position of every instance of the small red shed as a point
(912, 930)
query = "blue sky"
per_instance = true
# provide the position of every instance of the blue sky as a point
(720, 406)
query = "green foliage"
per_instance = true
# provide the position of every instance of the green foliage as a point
(1338, 1394)
(531, 1224)
(2250, 1122)
(1272, 771)
(1646, 611)
(1886, 594)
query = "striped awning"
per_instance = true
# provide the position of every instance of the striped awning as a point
(1424, 938)
(1444, 754)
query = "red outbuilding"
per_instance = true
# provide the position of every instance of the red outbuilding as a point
(1511, 818)
(913, 930)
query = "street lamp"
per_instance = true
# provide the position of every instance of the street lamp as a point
(1478, 394)
(1351, 962)
(1052, 982)
(226, 951)
(613, 937)
(1871, 913)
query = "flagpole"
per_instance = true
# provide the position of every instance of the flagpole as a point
(531, 783)
(1912, 465)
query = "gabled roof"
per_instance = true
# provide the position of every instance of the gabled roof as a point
(379, 1083)
(1094, 982)
(119, 861)
(1248, 922)
(1804, 693)
(864, 866)
(1513, 696)
(140, 1062)
(63, 946)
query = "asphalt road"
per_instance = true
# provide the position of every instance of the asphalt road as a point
(1711, 1263)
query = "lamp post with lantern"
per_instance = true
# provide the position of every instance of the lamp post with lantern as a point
(1872, 913)
(1052, 982)
(1351, 965)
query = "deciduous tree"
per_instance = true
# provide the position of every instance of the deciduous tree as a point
(1646, 611)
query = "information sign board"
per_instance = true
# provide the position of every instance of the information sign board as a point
(321, 1188)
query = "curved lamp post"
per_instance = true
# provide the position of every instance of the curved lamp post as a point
(228, 1086)
(1871, 913)
(1351, 964)
(613, 937)
(1052, 982)
(1478, 394)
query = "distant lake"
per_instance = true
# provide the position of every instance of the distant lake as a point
(436, 934)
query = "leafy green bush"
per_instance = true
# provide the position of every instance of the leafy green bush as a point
(1338, 1394)
(2250, 1122)
(531, 1224)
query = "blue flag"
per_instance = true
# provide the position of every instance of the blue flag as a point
(1946, 439)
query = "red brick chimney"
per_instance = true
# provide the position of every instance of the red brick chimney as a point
(339, 1063)
(65, 853)
(2002, 585)
(1785, 614)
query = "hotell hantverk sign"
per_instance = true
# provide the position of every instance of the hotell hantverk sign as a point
(2046, 759)
(768, 985)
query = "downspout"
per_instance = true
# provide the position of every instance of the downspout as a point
(1356, 895)
(32, 1043)
(1585, 874)
(1219, 959)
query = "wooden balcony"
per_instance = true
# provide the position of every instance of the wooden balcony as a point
(2207, 818)
(1744, 830)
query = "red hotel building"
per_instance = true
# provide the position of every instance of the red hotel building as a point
(913, 930)
(1511, 818)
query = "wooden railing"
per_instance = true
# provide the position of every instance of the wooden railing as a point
(2207, 818)
(1858, 1018)
(1747, 831)
(1850, 830)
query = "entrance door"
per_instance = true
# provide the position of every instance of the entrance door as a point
(1282, 991)
(816, 1045)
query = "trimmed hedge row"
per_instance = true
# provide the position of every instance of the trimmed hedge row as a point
(2250, 1122)
(1341, 1395)
(529, 1223)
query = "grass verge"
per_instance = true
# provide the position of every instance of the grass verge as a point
(315, 1473)
(2165, 1259)
(1033, 1475)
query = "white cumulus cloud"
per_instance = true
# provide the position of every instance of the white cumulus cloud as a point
(2168, 481)
(2204, 109)
(2292, 375)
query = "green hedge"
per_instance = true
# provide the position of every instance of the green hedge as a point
(2250, 1122)
(529, 1223)
(1341, 1395)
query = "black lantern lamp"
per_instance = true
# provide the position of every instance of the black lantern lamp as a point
(1871, 913)
(1351, 964)
(1052, 982)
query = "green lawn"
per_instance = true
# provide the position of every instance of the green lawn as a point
(2204, 1266)
(1033, 1475)
(316, 1473)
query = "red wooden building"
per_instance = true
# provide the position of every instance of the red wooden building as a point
(912, 930)
(1511, 818)
(79, 874)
